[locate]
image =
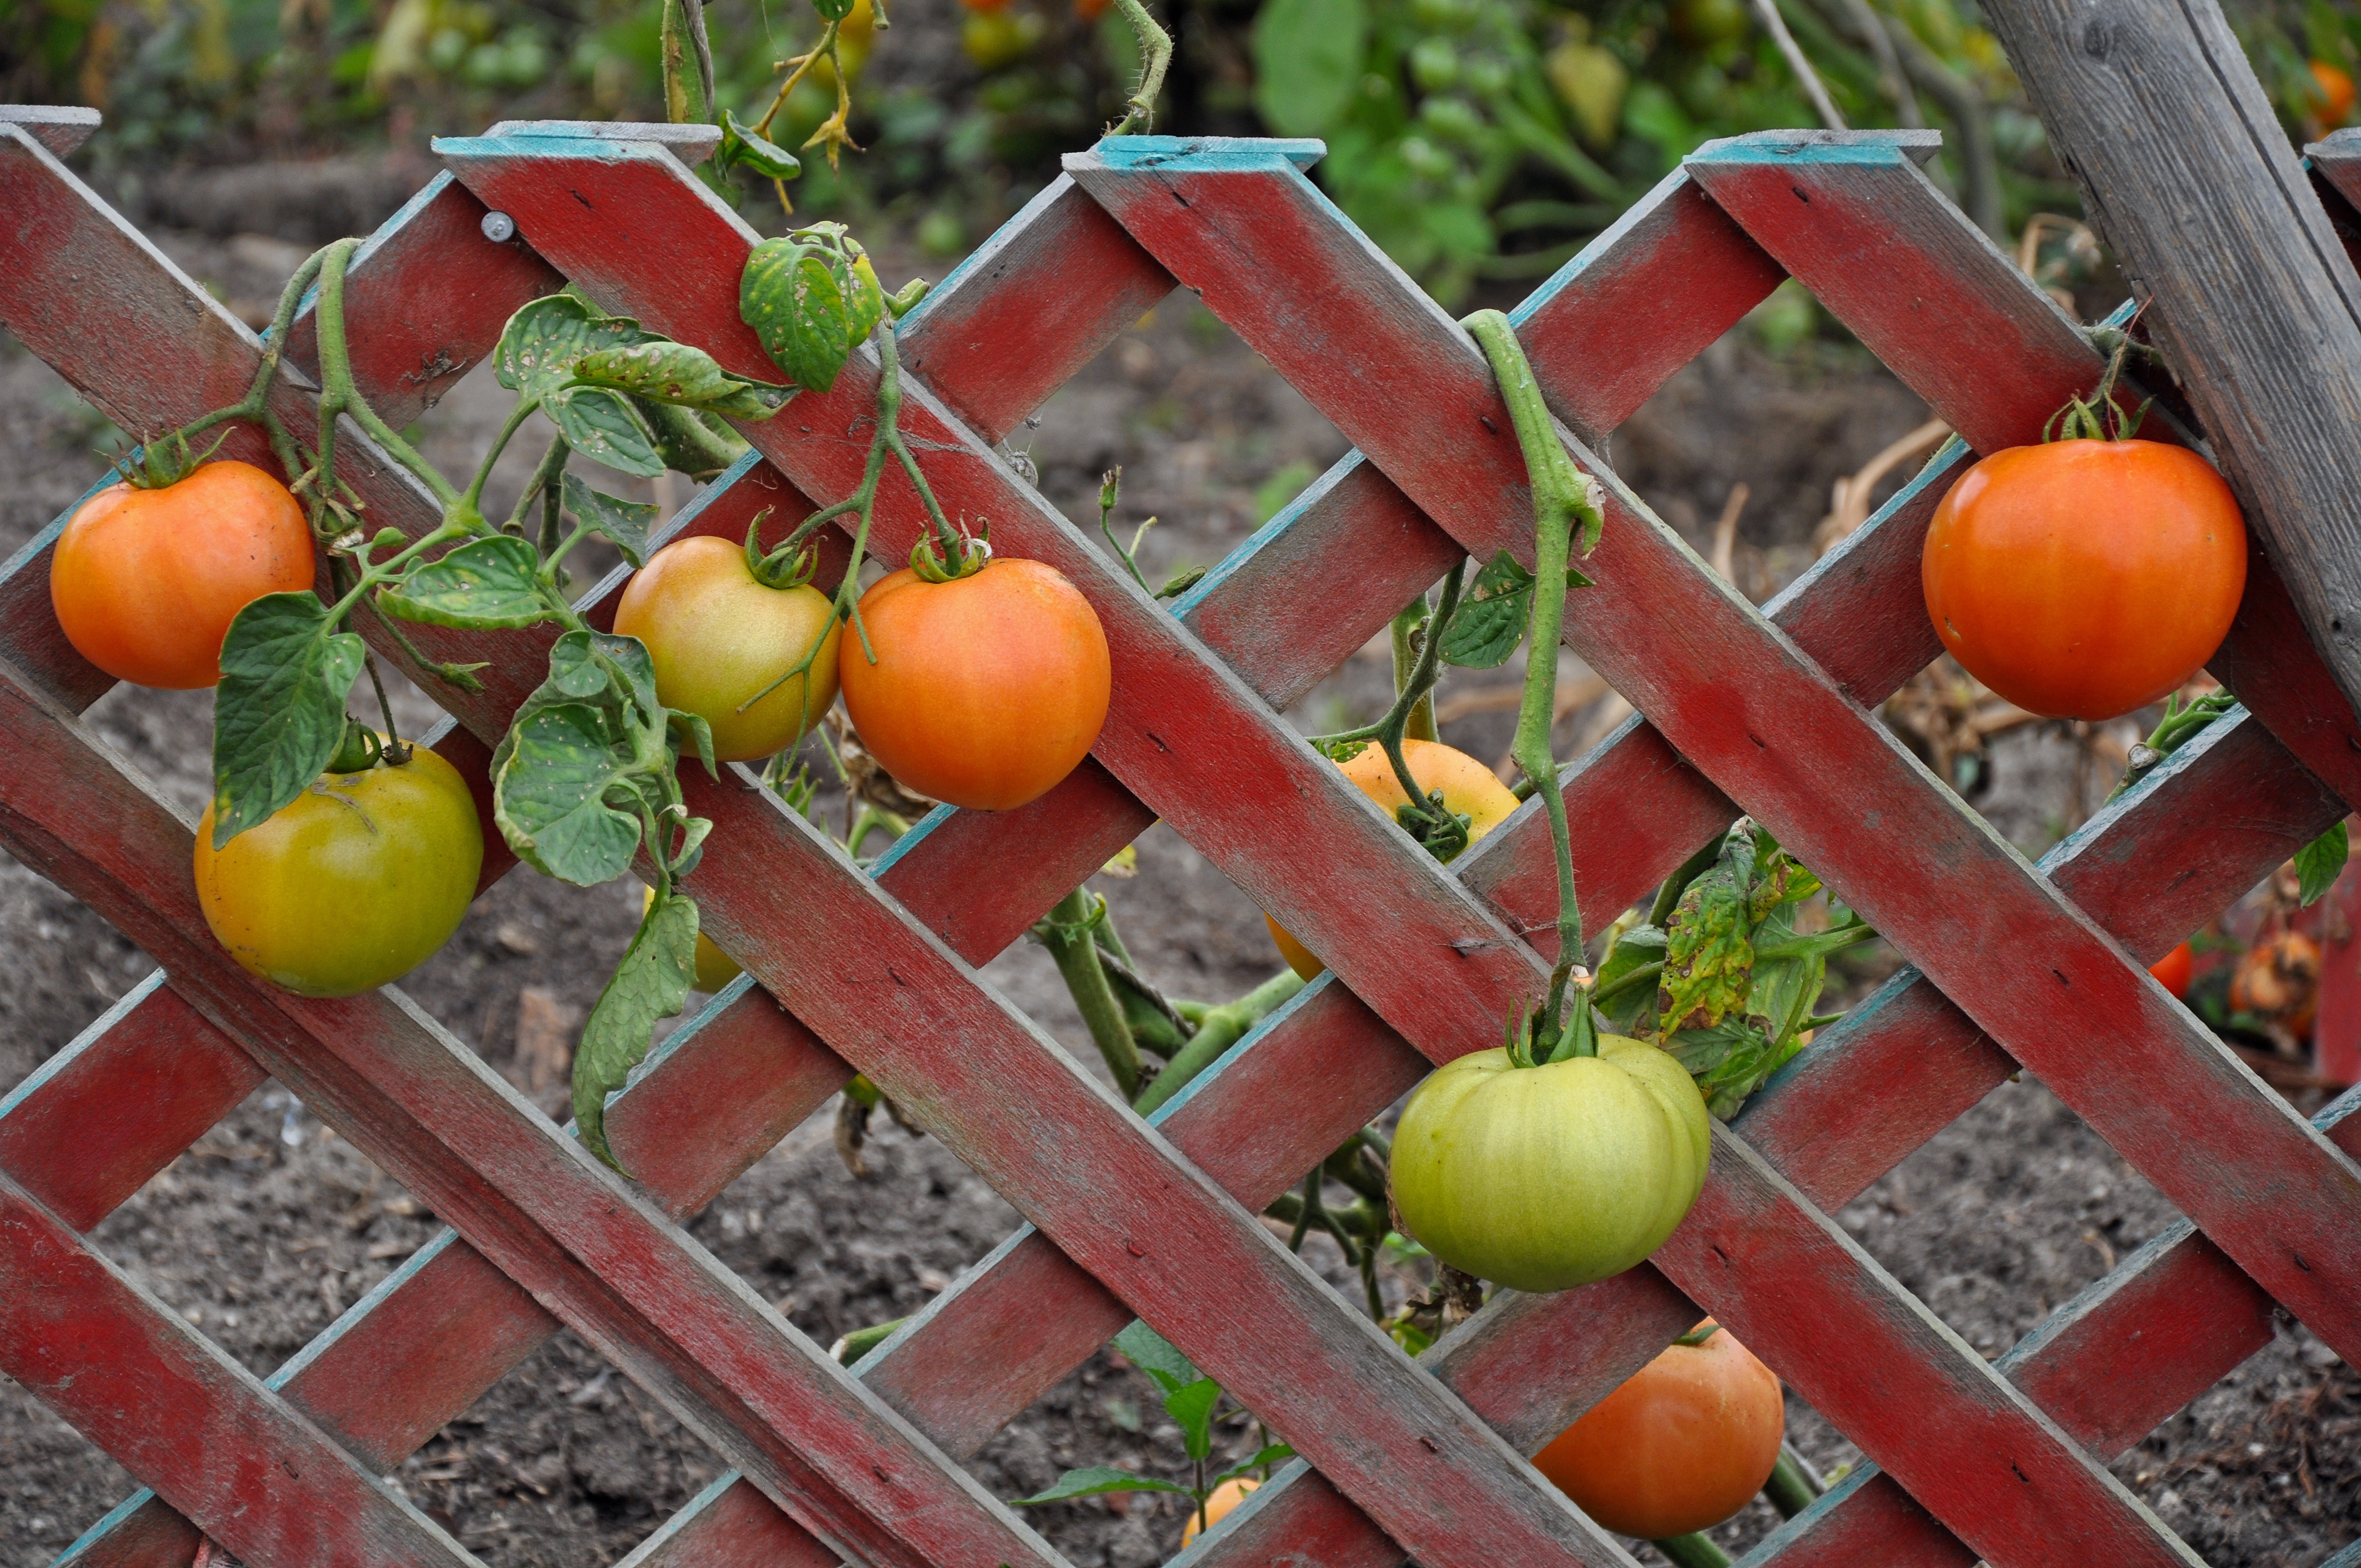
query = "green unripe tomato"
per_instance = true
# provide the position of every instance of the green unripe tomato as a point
(1488, 77)
(1426, 160)
(1435, 64)
(717, 636)
(1710, 25)
(1452, 119)
(1546, 1177)
(353, 885)
(1443, 15)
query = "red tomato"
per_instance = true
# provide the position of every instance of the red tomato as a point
(1091, 10)
(2336, 85)
(2173, 970)
(2082, 579)
(987, 690)
(145, 583)
(1686, 1442)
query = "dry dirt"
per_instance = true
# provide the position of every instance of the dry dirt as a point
(271, 1226)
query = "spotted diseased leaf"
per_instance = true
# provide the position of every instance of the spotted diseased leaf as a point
(678, 374)
(278, 714)
(624, 524)
(604, 427)
(1097, 1479)
(2319, 864)
(1729, 1060)
(1491, 617)
(548, 337)
(864, 297)
(690, 440)
(651, 982)
(792, 295)
(485, 583)
(551, 794)
(741, 147)
(1708, 957)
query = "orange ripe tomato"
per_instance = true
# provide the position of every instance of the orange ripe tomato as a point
(2336, 85)
(2082, 579)
(2279, 979)
(1091, 10)
(145, 583)
(1686, 1442)
(1468, 787)
(2173, 970)
(1218, 1505)
(987, 690)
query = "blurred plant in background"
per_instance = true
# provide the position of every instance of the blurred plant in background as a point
(1477, 141)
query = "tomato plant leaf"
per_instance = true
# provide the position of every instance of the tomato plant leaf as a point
(280, 712)
(624, 524)
(547, 337)
(698, 734)
(605, 428)
(1098, 1478)
(793, 294)
(1277, 1453)
(483, 583)
(1491, 618)
(651, 982)
(741, 147)
(865, 299)
(676, 373)
(1193, 1407)
(1729, 1060)
(550, 789)
(1308, 63)
(690, 440)
(1157, 1356)
(1708, 958)
(2319, 864)
(1633, 949)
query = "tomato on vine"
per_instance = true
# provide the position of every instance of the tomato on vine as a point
(1220, 1503)
(1469, 788)
(354, 883)
(988, 688)
(2087, 576)
(727, 628)
(148, 576)
(1547, 1176)
(2173, 971)
(1683, 1445)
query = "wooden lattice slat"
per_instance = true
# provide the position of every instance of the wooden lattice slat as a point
(1432, 1460)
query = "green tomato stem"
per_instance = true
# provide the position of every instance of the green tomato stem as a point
(1793, 1487)
(1562, 498)
(1418, 725)
(1218, 1030)
(336, 375)
(1156, 55)
(474, 499)
(1065, 931)
(1697, 1551)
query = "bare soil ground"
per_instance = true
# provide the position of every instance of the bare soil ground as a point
(271, 1225)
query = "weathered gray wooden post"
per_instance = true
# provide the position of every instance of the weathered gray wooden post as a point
(2187, 173)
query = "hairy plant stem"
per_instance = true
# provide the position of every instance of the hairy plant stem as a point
(1419, 723)
(1436, 826)
(1697, 1551)
(338, 387)
(1219, 1029)
(1563, 499)
(1066, 932)
(1154, 56)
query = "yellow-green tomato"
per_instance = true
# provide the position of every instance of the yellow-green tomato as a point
(1546, 1177)
(718, 636)
(353, 885)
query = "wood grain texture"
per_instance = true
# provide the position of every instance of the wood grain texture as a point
(94, 1123)
(180, 1415)
(728, 1525)
(1754, 714)
(2186, 173)
(591, 1249)
(57, 127)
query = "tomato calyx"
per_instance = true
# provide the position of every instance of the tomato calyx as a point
(969, 554)
(161, 461)
(789, 566)
(1699, 1334)
(2100, 417)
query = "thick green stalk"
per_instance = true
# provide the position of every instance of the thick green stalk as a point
(1692, 1551)
(1562, 498)
(1793, 1487)
(1155, 55)
(1418, 725)
(1065, 933)
(1220, 1028)
(337, 386)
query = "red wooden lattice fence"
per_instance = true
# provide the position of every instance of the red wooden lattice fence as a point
(1766, 711)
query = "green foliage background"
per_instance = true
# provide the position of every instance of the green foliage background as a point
(1475, 139)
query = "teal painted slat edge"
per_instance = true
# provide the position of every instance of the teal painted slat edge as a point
(1206, 153)
(1821, 146)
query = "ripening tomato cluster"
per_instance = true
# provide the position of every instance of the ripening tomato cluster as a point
(985, 691)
